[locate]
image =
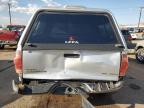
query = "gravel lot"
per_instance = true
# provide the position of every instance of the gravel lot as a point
(130, 96)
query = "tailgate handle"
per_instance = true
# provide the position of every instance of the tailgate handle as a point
(31, 45)
(72, 55)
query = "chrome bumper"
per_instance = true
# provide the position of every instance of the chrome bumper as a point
(76, 87)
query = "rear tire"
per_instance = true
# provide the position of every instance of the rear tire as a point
(140, 55)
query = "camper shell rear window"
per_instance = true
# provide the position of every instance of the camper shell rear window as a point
(78, 28)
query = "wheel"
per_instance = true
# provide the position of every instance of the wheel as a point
(1, 46)
(140, 55)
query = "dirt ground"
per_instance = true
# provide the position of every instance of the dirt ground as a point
(8, 53)
(59, 101)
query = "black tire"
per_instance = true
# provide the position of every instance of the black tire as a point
(140, 55)
(2, 46)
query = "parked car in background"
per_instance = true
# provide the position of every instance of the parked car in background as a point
(126, 35)
(140, 51)
(133, 36)
(130, 29)
(10, 35)
(1, 27)
(128, 38)
(18, 28)
(74, 47)
(8, 38)
(134, 30)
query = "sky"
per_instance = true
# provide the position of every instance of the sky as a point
(126, 12)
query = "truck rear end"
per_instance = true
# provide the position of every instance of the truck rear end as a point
(8, 38)
(77, 48)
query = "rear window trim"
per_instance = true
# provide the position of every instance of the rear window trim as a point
(71, 12)
(100, 47)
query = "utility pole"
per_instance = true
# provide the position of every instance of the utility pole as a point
(141, 8)
(9, 8)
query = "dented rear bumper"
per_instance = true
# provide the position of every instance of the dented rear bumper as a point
(77, 87)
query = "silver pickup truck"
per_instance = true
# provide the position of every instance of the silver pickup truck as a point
(73, 47)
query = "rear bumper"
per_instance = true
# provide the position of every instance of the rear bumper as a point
(10, 42)
(86, 87)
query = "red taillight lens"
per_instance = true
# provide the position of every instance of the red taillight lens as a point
(18, 62)
(124, 64)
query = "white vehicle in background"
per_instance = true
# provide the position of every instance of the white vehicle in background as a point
(133, 36)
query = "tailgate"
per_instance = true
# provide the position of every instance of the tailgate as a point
(68, 64)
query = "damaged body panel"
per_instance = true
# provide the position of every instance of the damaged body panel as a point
(90, 65)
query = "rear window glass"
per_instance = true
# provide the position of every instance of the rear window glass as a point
(78, 28)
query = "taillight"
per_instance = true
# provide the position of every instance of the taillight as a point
(18, 62)
(124, 64)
